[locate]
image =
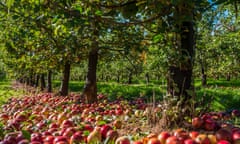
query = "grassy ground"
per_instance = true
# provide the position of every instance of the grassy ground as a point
(225, 94)
(6, 91)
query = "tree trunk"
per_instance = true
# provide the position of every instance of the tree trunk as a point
(90, 88)
(43, 84)
(180, 73)
(37, 80)
(65, 80)
(118, 78)
(204, 76)
(147, 78)
(49, 81)
(228, 77)
(130, 78)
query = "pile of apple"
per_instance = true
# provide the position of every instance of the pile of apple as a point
(49, 119)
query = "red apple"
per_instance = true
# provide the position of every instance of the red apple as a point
(209, 125)
(163, 136)
(193, 134)
(154, 141)
(76, 138)
(48, 139)
(23, 141)
(58, 139)
(173, 140)
(197, 122)
(223, 142)
(236, 135)
(223, 134)
(138, 142)
(112, 134)
(104, 129)
(189, 141)
(236, 113)
(123, 140)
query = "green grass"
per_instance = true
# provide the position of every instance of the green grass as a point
(115, 90)
(226, 94)
(6, 91)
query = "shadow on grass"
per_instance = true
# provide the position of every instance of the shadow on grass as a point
(115, 90)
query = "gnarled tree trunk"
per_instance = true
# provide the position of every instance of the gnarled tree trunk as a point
(90, 88)
(65, 80)
(180, 74)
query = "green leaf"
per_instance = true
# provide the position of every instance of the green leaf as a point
(10, 3)
(26, 134)
(98, 12)
(157, 38)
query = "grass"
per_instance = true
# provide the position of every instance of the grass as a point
(226, 94)
(6, 91)
(115, 90)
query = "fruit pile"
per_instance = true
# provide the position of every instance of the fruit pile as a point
(49, 119)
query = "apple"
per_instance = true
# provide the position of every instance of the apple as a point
(236, 135)
(61, 139)
(23, 141)
(193, 134)
(104, 129)
(154, 141)
(49, 139)
(111, 137)
(112, 134)
(173, 140)
(209, 125)
(197, 122)
(36, 137)
(189, 141)
(95, 136)
(123, 140)
(138, 142)
(223, 142)
(117, 124)
(67, 123)
(77, 137)
(224, 134)
(212, 138)
(163, 136)
(236, 113)
(202, 139)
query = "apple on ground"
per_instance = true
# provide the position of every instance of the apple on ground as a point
(223, 142)
(123, 140)
(163, 136)
(154, 141)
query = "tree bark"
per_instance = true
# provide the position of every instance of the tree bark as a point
(130, 78)
(90, 88)
(65, 80)
(180, 73)
(204, 76)
(147, 78)
(228, 77)
(43, 84)
(49, 81)
(37, 80)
